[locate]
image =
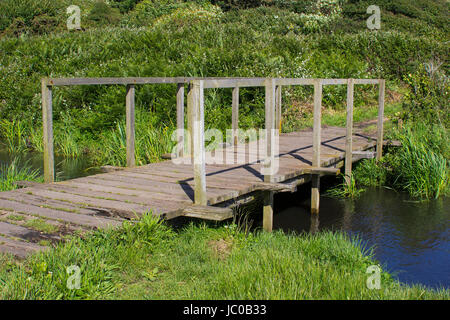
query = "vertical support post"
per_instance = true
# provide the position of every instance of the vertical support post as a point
(270, 102)
(235, 115)
(278, 109)
(47, 126)
(196, 112)
(180, 119)
(190, 131)
(349, 134)
(382, 84)
(315, 179)
(130, 131)
(268, 211)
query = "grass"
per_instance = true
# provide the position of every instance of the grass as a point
(15, 217)
(41, 225)
(344, 190)
(420, 168)
(16, 171)
(149, 260)
(369, 173)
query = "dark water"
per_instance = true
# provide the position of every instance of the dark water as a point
(65, 168)
(410, 239)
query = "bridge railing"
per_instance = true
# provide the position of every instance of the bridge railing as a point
(273, 108)
(48, 84)
(195, 106)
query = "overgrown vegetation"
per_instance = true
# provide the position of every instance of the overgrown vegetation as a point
(199, 38)
(148, 260)
(16, 171)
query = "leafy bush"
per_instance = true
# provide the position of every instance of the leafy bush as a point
(25, 10)
(103, 14)
(428, 99)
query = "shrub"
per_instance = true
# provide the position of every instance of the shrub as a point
(102, 13)
(428, 98)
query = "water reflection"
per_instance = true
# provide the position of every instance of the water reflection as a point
(65, 168)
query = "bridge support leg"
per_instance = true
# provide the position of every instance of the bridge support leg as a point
(315, 193)
(268, 211)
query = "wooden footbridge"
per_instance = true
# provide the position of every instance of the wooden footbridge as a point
(195, 182)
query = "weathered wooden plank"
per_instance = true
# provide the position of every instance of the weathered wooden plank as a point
(135, 196)
(196, 112)
(130, 80)
(275, 187)
(366, 81)
(268, 211)
(180, 120)
(18, 248)
(382, 84)
(12, 230)
(232, 83)
(270, 97)
(349, 133)
(49, 203)
(119, 208)
(278, 108)
(317, 123)
(78, 219)
(164, 188)
(316, 161)
(294, 82)
(208, 212)
(235, 115)
(130, 126)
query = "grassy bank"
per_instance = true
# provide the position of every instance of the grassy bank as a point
(198, 38)
(149, 260)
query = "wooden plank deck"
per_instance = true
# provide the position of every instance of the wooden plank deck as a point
(165, 188)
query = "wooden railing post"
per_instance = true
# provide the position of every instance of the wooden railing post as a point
(270, 101)
(47, 126)
(180, 119)
(382, 84)
(270, 96)
(130, 126)
(196, 113)
(190, 137)
(348, 139)
(278, 92)
(315, 179)
(235, 116)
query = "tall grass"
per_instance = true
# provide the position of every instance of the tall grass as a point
(420, 166)
(344, 190)
(152, 140)
(14, 134)
(15, 171)
(370, 173)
